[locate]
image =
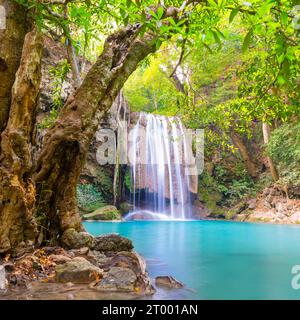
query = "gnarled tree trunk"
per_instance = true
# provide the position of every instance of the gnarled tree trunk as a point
(11, 43)
(17, 193)
(266, 134)
(251, 166)
(66, 144)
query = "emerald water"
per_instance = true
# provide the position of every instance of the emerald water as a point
(215, 259)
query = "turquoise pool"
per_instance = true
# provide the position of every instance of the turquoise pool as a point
(215, 259)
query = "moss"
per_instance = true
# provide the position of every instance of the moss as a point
(105, 213)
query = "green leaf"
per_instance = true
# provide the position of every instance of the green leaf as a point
(212, 3)
(216, 37)
(160, 12)
(207, 47)
(247, 41)
(233, 13)
(281, 80)
(284, 18)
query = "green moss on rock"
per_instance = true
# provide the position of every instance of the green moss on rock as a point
(105, 213)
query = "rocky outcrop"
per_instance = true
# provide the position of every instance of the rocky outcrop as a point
(127, 273)
(272, 205)
(104, 213)
(77, 270)
(118, 278)
(96, 273)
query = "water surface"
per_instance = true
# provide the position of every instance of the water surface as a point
(215, 259)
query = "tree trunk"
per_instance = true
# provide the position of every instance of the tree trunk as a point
(74, 64)
(66, 144)
(238, 142)
(11, 43)
(17, 193)
(266, 134)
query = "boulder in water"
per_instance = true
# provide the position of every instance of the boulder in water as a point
(125, 207)
(105, 213)
(168, 282)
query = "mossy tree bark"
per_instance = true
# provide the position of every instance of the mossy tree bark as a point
(17, 192)
(266, 134)
(251, 166)
(66, 145)
(11, 43)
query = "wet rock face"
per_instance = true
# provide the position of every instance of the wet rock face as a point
(168, 282)
(126, 272)
(77, 270)
(112, 243)
(118, 278)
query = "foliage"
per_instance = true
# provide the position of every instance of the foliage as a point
(58, 75)
(128, 180)
(284, 148)
(89, 198)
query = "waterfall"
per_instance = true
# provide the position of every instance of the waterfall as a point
(159, 155)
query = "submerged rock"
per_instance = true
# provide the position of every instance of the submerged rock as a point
(168, 282)
(112, 242)
(78, 270)
(105, 213)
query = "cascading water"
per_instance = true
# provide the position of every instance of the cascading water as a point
(160, 171)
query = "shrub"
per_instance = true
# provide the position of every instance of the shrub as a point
(89, 198)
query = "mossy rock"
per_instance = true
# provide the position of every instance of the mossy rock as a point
(125, 207)
(105, 213)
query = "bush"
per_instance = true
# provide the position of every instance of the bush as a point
(89, 197)
(284, 149)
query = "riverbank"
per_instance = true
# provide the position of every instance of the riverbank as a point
(105, 267)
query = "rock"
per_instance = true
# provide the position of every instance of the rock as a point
(59, 258)
(75, 240)
(104, 213)
(125, 207)
(280, 207)
(112, 242)
(3, 280)
(252, 204)
(118, 279)
(199, 210)
(99, 258)
(168, 282)
(9, 266)
(267, 204)
(78, 270)
(81, 252)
